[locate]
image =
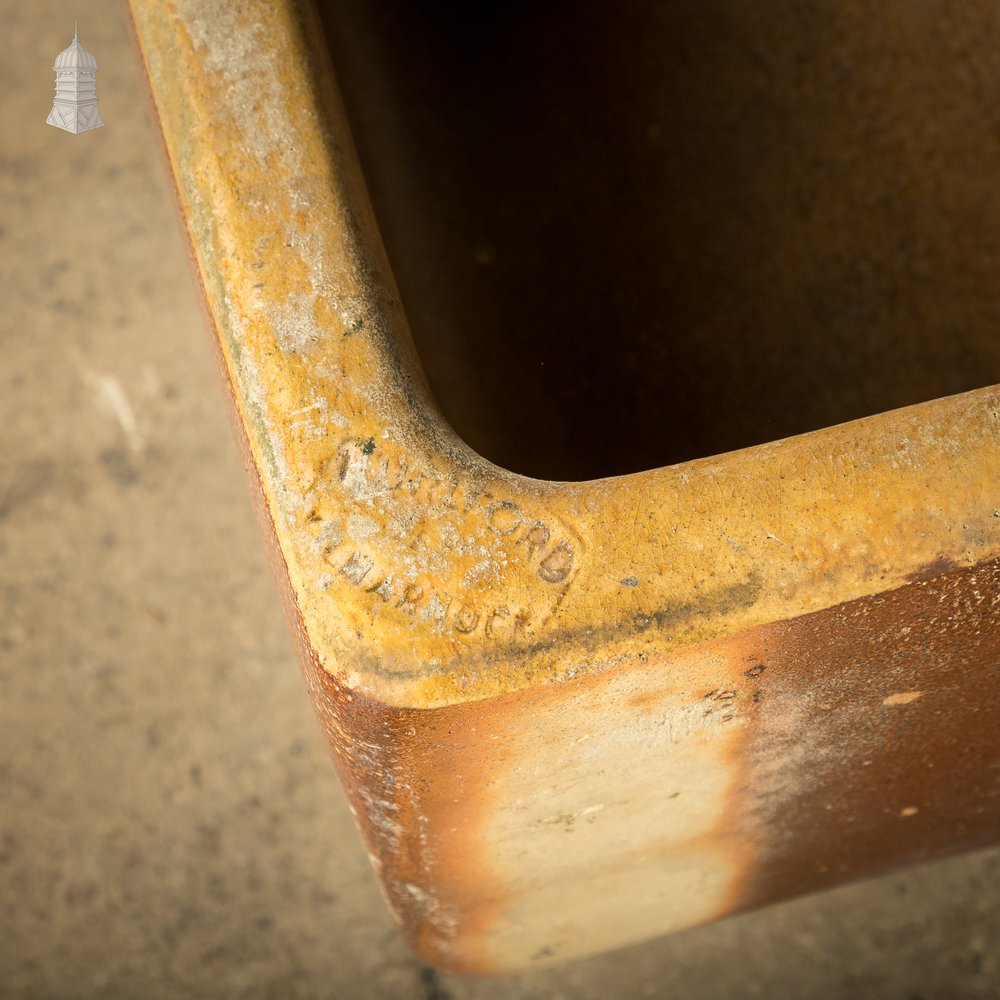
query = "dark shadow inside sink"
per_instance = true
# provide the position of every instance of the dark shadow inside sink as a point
(627, 235)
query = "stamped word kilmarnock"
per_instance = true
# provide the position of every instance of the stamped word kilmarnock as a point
(438, 550)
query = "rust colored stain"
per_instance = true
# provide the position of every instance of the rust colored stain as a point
(873, 740)
(419, 784)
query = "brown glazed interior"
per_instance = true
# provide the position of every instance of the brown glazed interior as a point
(628, 235)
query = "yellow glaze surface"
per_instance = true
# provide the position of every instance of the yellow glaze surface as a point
(424, 574)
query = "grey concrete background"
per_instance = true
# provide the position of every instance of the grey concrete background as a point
(169, 823)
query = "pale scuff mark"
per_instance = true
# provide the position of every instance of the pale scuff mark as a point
(311, 420)
(360, 527)
(111, 396)
(902, 698)
(294, 324)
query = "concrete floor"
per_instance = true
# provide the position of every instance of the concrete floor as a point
(169, 823)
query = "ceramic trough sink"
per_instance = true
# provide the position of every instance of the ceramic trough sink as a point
(618, 388)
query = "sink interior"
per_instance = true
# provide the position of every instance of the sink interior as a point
(632, 234)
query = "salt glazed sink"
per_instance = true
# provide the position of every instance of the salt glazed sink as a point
(731, 274)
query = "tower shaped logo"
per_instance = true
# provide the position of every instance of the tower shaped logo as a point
(75, 106)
